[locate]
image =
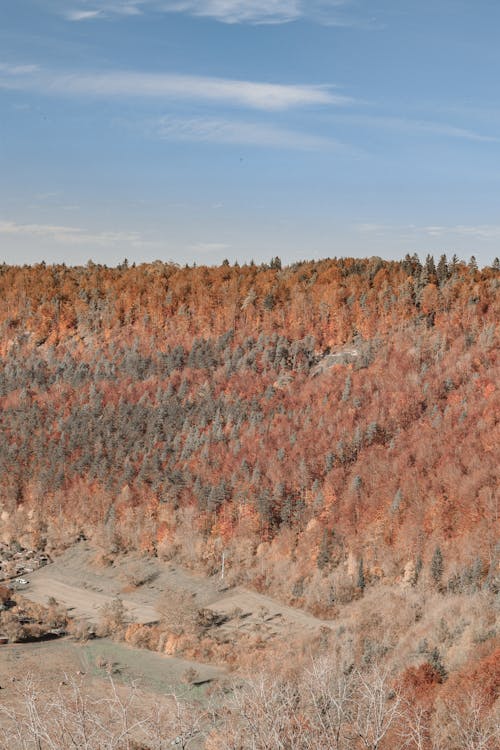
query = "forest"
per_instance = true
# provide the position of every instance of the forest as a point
(329, 428)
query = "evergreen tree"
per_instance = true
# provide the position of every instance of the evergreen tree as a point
(324, 551)
(430, 268)
(361, 575)
(442, 271)
(437, 566)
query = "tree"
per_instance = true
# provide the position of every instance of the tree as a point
(324, 551)
(378, 708)
(415, 728)
(329, 693)
(430, 268)
(466, 723)
(437, 566)
(112, 617)
(361, 575)
(73, 716)
(178, 610)
(442, 272)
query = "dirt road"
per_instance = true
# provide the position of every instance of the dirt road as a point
(76, 581)
(84, 603)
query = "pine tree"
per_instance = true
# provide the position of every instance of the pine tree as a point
(361, 575)
(418, 570)
(437, 566)
(324, 551)
(430, 268)
(442, 271)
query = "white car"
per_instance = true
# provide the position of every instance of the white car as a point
(21, 581)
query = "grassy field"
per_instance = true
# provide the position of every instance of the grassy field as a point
(98, 659)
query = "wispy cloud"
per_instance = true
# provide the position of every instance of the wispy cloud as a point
(7, 69)
(415, 127)
(236, 132)
(241, 11)
(260, 12)
(473, 231)
(372, 227)
(253, 94)
(479, 231)
(101, 9)
(225, 11)
(207, 248)
(70, 235)
(82, 15)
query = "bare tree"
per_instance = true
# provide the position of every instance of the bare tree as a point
(112, 617)
(378, 708)
(328, 689)
(264, 712)
(75, 718)
(467, 724)
(325, 706)
(415, 728)
(178, 610)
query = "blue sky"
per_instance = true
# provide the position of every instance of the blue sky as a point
(195, 130)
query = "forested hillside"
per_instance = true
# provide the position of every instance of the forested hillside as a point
(328, 429)
(342, 411)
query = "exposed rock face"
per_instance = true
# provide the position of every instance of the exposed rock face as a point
(345, 356)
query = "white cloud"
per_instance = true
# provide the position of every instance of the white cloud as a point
(408, 126)
(473, 231)
(47, 195)
(268, 96)
(70, 235)
(82, 15)
(17, 70)
(479, 231)
(371, 227)
(104, 9)
(224, 11)
(241, 11)
(220, 131)
(253, 94)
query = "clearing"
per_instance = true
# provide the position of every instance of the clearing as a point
(83, 586)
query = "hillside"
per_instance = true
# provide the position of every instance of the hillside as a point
(328, 432)
(326, 411)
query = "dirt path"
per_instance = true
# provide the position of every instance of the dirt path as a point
(80, 583)
(83, 603)
(76, 581)
(257, 608)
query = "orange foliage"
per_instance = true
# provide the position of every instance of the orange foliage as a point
(233, 392)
